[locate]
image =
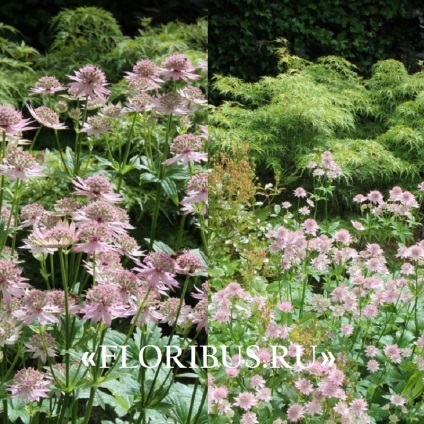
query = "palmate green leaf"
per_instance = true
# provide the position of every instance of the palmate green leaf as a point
(120, 403)
(170, 189)
(415, 385)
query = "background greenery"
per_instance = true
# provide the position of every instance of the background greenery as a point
(243, 33)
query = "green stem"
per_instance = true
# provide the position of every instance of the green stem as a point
(35, 138)
(123, 164)
(59, 148)
(159, 189)
(79, 139)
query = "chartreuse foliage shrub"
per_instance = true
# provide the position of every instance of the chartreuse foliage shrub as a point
(374, 126)
(16, 65)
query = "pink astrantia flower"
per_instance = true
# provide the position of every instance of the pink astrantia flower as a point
(310, 226)
(9, 330)
(46, 85)
(397, 400)
(170, 103)
(373, 366)
(245, 400)
(159, 269)
(358, 406)
(295, 413)
(304, 386)
(96, 126)
(357, 225)
(343, 236)
(96, 187)
(178, 67)
(31, 214)
(47, 117)
(300, 192)
(36, 306)
(11, 282)
(127, 246)
(20, 165)
(49, 240)
(104, 213)
(90, 81)
(375, 197)
(249, 418)
(145, 74)
(196, 194)
(38, 345)
(12, 122)
(139, 103)
(103, 303)
(94, 238)
(30, 385)
(187, 148)
(189, 263)
(285, 307)
(194, 96)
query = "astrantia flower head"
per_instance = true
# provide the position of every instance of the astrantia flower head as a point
(35, 306)
(146, 72)
(171, 103)
(159, 269)
(300, 192)
(93, 238)
(12, 122)
(66, 206)
(127, 246)
(103, 304)
(196, 193)
(179, 67)
(139, 103)
(31, 214)
(9, 330)
(89, 81)
(96, 126)
(187, 148)
(295, 413)
(102, 212)
(245, 401)
(12, 284)
(38, 345)
(30, 385)
(62, 236)
(6, 216)
(195, 97)
(47, 85)
(47, 117)
(189, 263)
(20, 165)
(96, 187)
(170, 308)
(199, 315)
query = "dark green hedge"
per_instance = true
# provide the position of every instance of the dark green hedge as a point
(243, 32)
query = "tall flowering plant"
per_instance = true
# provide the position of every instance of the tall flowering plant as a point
(98, 298)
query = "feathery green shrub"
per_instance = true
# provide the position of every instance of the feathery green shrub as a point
(374, 127)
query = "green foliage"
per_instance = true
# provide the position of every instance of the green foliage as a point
(244, 46)
(81, 36)
(158, 42)
(373, 127)
(16, 62)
